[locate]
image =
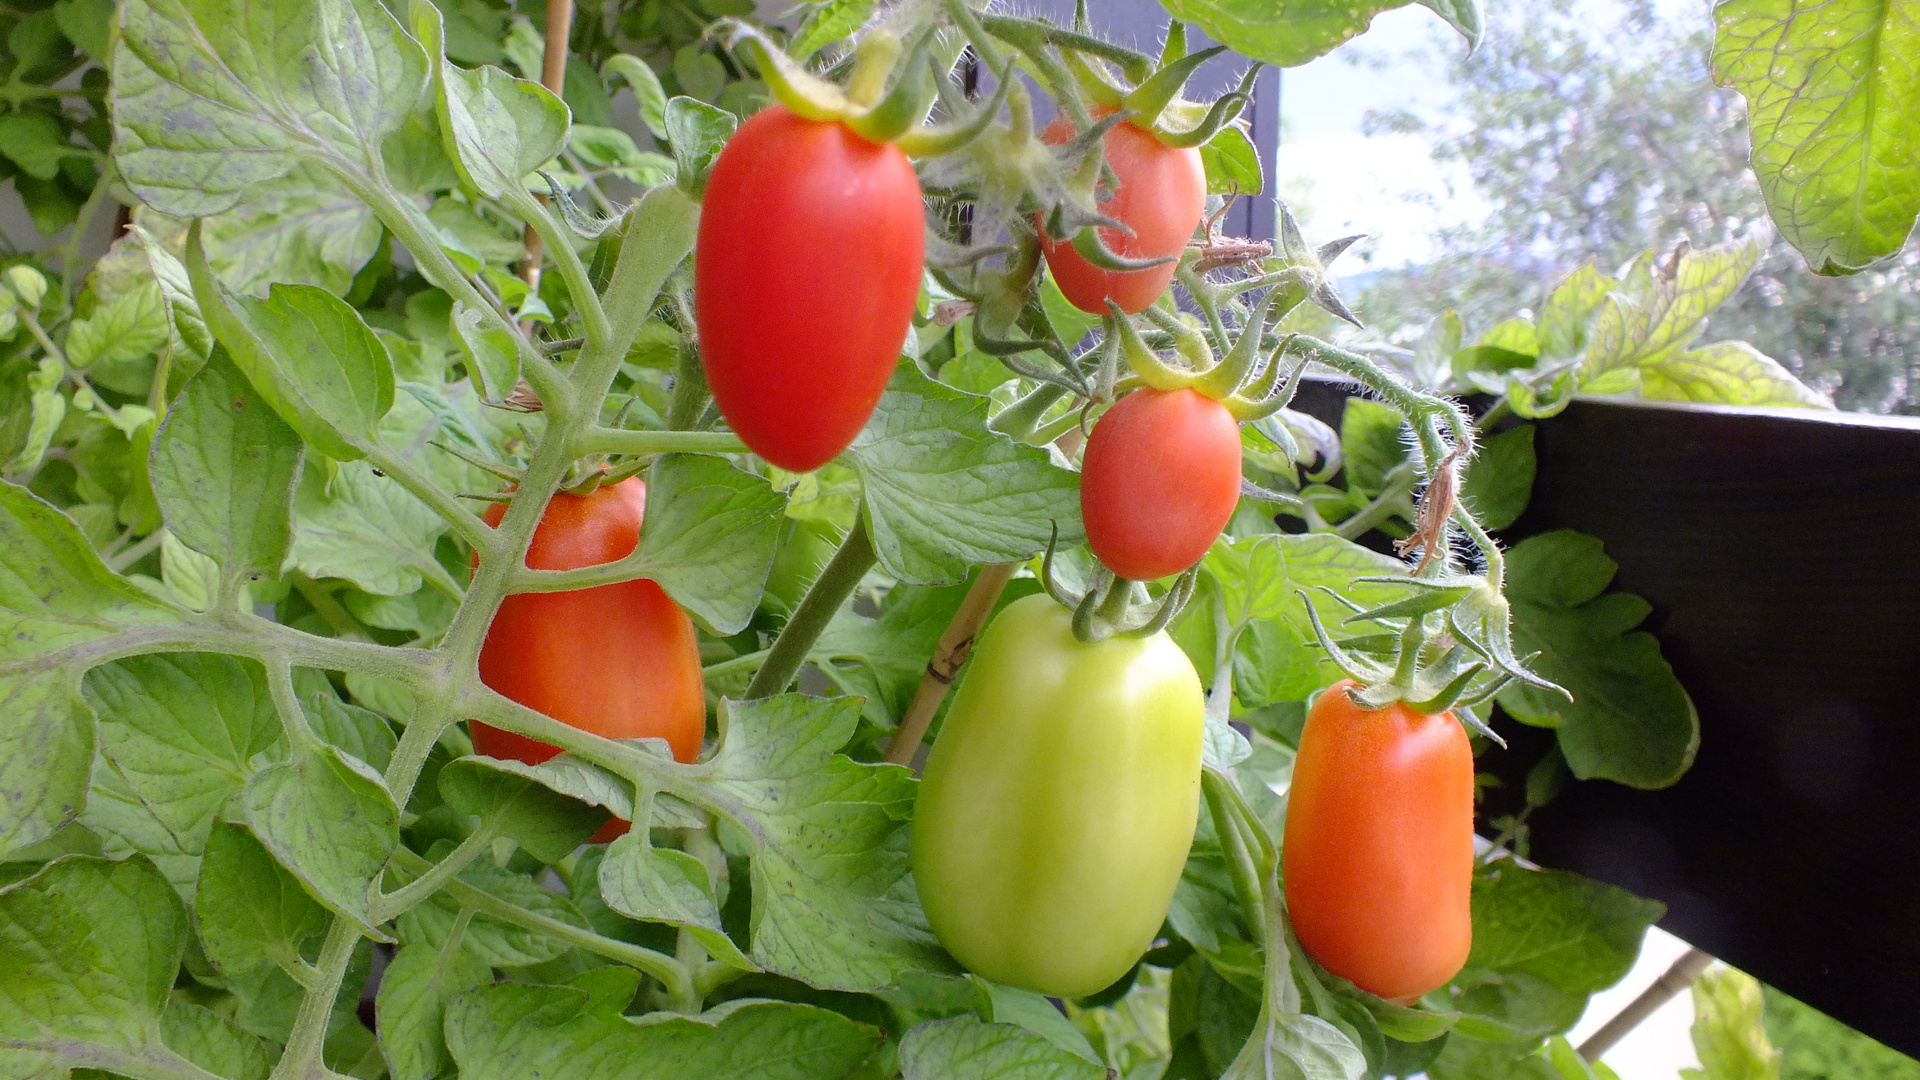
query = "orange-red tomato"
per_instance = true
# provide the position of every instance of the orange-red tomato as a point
(1160, 479)
(1162, 196)
(1378, 854)
(806, 275)
(617, 660)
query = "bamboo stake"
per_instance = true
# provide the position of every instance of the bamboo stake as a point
(1676, 978)
(553, 75)
(955, 644)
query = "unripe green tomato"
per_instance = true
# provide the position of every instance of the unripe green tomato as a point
(1059, 802)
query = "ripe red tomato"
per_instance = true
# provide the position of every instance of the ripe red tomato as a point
(1161, 197)
(1378, 853)
(617, 660)
(806, 275)
(1160, 478)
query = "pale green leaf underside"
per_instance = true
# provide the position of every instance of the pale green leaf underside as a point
(1284, 35)
(1833, 104)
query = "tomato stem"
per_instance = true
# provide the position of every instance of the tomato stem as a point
(823, 600)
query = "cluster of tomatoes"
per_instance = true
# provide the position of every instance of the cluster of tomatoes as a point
(1060, 801)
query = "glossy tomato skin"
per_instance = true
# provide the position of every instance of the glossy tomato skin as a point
(806, 275)
(1160, 479)
(1162, 196)
(1059, 802)
(617, 660)
(1378, 852)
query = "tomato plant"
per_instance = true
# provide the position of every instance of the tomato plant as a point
(251, 597)
(1058, 804)
(1379, 844)
(794, 203)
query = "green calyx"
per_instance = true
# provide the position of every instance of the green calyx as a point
(1252, 381)
(1150, 92)
(889, 93)
(1113, 606)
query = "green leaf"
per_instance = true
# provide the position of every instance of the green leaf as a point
(368, 530)
(208, 1040)
(883, 659)
(491, 356)
(1232, 163)
(1034, 1012)
(1568, 311)
(547, 824)
(1729, 1029)
(1832, 91)
(1630, 720)
(411, 1006)
(331, 821)
(212, 98)
(498, 129)
(249, 908)
(127, 328)
(649, 97)
(223, 469)
(303, 229)
(56, 598)
(308, 354)
(1371, 443)
(967, 1048)
(1284, 35)
(940, 502)
(833, 901)
(509, 1031)
(1658, 310)
(361, 733)
(1573, 932)
(1728, 373)
(176, 286)
(489, 940)
(87, 23)
(88, 953)
(663, 885)
(710, 536)
(49, 408)
(832, 21)
(34, 141)
(184, 732)
(1499, 480)
(1463, 15)
(696, 131)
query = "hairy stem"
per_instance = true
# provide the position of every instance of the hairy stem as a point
(600, 440)
(391, 905)
(302, 1056)
(823, 600)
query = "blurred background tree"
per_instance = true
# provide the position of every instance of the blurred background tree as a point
(1595, 131)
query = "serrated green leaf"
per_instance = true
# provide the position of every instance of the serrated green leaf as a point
(1499, 480)
(939, 502)
(1284, 35)
(489, 940)
(560, 1033)
(850, 921)
(308, 354)
(1371, 443)
(189, 328)
(1832, 90)
(1568, 311)
(1728, 373)
(36, 142)
(368, 530)
(1729, 1029)
(411, 1006)
(211, 98)
(331, 821)
(832, 21)
(86, 23)
(223, 470)
(1036, 1013)
(547, 824)
(88, 952)
(1656, 311)
(498, 129)
(1630, 720)
(1232, 163)
(46, 756)
(249, 908)
(304, 228)
(361, 733)
(184, 732)
(126, 328)
(710, 536)
(205, 1038)
(649, 97)
(967, 1048)
(653, 884)
(695, 132)
(1575, 933)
